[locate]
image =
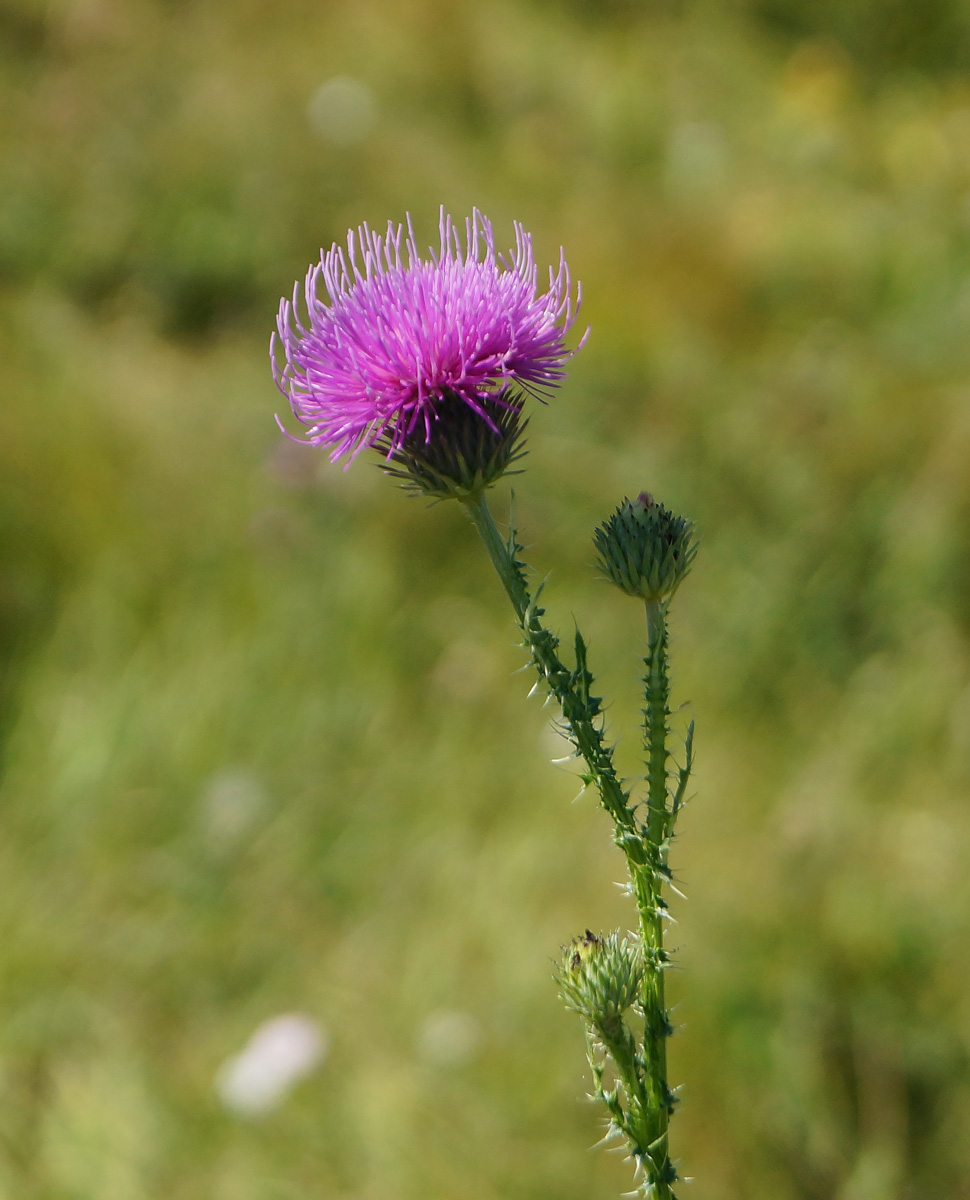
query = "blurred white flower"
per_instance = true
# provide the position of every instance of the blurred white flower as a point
(282, 1051)
(448, 1038)
(232, 801)
(342, 111)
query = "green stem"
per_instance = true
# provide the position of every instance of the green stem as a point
(644, 1076)
(498, 551)
(656, 713)
(656, 1018)
(580, 710)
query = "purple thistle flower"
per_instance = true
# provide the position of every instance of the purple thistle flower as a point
(401, 334)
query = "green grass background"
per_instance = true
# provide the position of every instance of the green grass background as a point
(768, 204)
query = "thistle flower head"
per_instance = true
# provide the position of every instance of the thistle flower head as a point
(400, 341)
(645, 549)
(599, 976)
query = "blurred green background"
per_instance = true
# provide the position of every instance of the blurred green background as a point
(262, 747)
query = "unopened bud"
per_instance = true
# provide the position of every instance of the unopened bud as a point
(645, 549)
(600, 977)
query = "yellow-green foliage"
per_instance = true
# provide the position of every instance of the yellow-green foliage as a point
(262, 746)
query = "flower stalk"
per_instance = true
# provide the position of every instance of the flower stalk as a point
(570, 686)
(596, 973)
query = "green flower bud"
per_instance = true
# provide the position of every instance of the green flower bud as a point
(600, 977)
(461, 451)
(645, 549)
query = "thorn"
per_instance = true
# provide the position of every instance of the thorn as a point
(533, 690)
(610, 1136)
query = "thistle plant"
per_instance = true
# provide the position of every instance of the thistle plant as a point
(430, 362)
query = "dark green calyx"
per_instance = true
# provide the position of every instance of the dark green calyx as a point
(645, 549)
(462, 451)
(600, 977)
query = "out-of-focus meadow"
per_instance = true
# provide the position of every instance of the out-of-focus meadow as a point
(263, 750)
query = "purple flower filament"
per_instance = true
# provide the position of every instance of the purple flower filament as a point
(401, 333)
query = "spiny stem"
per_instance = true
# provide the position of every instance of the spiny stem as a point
(642, 1072)
(656, 1019)
(657, 694)
(570, 687)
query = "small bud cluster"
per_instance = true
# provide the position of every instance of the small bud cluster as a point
(645, 549)
(462, 451)
(600, 977)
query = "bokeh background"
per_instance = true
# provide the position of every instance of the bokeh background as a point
(263, 750)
